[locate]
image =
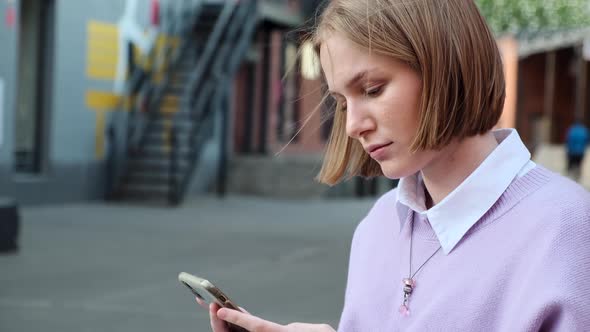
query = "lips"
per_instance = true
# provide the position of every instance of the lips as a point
(378, 151)
(372, 148)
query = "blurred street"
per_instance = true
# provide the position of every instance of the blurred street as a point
(97, 267)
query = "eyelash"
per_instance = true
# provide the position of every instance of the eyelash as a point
(373, 92)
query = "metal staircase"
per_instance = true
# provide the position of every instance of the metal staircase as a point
(154, 152)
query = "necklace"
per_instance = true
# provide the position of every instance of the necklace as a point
(409, 282)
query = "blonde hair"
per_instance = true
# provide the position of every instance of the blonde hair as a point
(448, 43)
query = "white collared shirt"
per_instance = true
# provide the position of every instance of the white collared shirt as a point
(463, 207)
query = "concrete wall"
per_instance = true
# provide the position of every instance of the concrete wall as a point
(72, 171)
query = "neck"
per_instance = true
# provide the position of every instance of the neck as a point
(455, 163)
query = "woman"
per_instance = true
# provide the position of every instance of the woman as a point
(476, 237)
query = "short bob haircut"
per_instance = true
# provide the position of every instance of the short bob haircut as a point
(450, 46)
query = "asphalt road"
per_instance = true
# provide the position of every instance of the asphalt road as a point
(98, 267)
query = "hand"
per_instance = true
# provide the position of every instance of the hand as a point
(255, 324)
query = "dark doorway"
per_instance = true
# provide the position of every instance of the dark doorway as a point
(36, 38)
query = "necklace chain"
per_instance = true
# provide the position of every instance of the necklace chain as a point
(409, 282)
(410, 275)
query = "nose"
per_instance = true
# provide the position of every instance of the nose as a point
(358, 121)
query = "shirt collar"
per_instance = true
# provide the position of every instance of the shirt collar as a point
(461, 209)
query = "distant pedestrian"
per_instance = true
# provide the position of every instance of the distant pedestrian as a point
(577, 140)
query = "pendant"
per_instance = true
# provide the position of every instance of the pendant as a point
(409, 285)
(404, 311)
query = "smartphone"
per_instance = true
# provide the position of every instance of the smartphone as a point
(206, 291)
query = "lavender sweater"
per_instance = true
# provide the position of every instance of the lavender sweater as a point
(524, 266)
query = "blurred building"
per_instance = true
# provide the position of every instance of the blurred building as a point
(203, 80)
(553, 88)
(160, 99)
(47, 133)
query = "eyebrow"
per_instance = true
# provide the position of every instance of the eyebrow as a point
(355, 79)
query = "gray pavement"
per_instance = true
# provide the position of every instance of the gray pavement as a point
(98, 267)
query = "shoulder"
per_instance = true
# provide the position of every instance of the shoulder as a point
(550, 212)
(560, 212)
(561, 196)
(555, 239)
(374, 237)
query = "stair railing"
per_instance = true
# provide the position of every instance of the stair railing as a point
(126, 129)
(170, 60)
(209, 92)
(198, 74)
(172, 171)
(119, 131)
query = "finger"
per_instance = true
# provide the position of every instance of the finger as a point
(217, 325)
(202, 303)
(244, 310)
(247, 321)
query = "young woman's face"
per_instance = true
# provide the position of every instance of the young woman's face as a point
(381, 98)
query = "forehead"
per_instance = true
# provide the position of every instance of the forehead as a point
(342, 60)
(339, 55)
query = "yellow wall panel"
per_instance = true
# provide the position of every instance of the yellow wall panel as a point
(102, 50)
(103, 28)
(102, 61)
(101, 46)
(101, 100)
(101, 73)
(102, 57)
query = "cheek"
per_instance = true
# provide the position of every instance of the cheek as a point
(400, 119)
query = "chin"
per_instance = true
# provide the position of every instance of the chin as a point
(394, 171)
